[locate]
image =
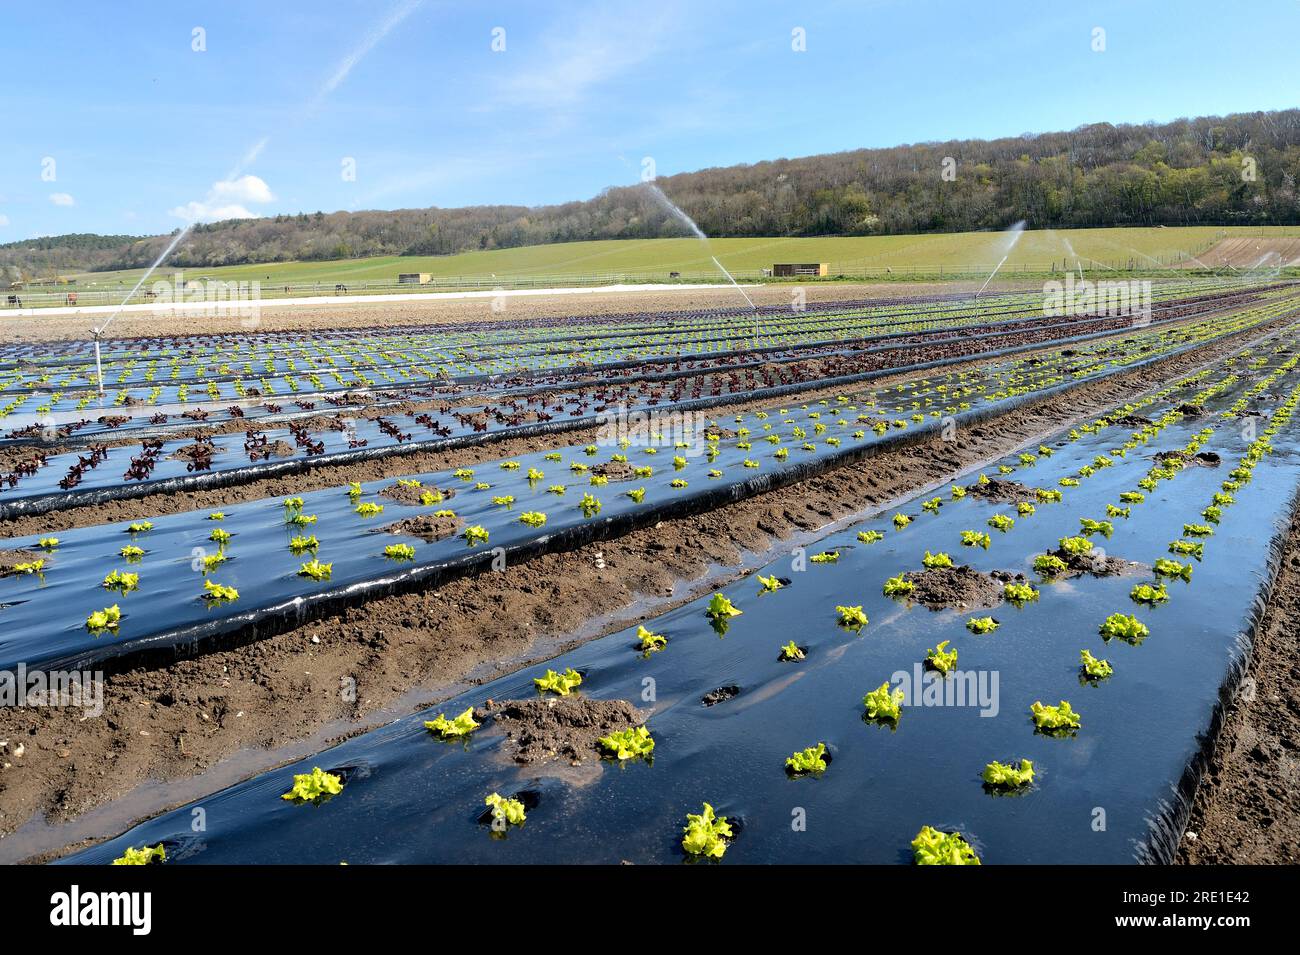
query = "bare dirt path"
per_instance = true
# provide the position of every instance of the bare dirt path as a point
(1247, 808)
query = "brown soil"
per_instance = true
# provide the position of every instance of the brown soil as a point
(614, 471)
(1247, 808)
(561, 727)
(172, 722)
(11, 558)
(427, 527)
(1132, 421)
(1204, 458)
(1191, 410)
(403, 494)
(281, 449)
(190, 452)
(720, 695)
(961, 587)
(1003, 492)
(1098, 565)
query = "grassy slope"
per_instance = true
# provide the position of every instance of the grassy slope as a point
(974, 250)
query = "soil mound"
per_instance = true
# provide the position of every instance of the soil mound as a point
(614, 471)
(195, 452)
(1008, 492)
(1098, 565)
(1132, 421)
(720, 695)
(11, 558)
(427, 527)
(404, 494)
(568, 727)
(960, 587)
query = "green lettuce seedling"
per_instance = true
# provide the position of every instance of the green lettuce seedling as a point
(140, 527)
(1197, 530)
(720, 608)
(939, 560)
(1019, 593)
(1132, 497)
(133, 553)
(898, 587)
(475, 535)
(825, 557)
(810, 760)
(48, 543)
(982, 624)
(589, 506)
(932, 847)
(122, 582)
(1049, 565)
(851, 618)
(637, 495)
(1001, 522)
(532, 518)
(770, 584)
(1092, 668)
(1146, 594)
(791, 653)
(901, 521)
(299, 544)
(1125, 627)
(975, 539)
(316, 570)
(106, 619)
(1089, 526)
(649, 642)
(705, 834)
(1006, 776)
(462, 725)
(399, 552)
(1187, 548)
(1171, 568)
(145, 856)
(1025, 509)
(1076, 546)
(870, 537)
(217, 593)
(882, 705)
(1048, 495)
(561, 683)
(505, 812)
(1054, 719)
(635, 742)
(940, 659)
(1113, 510)
(218, 536)
(315, 786)
(369, 509)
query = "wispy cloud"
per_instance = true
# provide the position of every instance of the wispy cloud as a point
(62, 199)
(572, 62)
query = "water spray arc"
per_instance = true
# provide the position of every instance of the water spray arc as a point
(687, 221)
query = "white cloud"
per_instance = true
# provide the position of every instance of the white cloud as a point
(227, 200)
(4, 220)
(243, 189)
(62, 199)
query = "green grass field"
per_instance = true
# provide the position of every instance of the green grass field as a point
(1036, 251)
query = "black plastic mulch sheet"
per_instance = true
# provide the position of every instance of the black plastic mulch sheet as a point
(1113, 792)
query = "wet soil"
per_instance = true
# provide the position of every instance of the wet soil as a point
(560, 727)
(1002, 492)
(11, 558)
(426, 527)
(961, 588)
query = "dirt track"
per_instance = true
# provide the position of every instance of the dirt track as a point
(274, 317)
(175, 722)
(1247, 808)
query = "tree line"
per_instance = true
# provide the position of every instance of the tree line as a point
(1231, 170)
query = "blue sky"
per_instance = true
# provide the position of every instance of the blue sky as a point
(144, 131)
